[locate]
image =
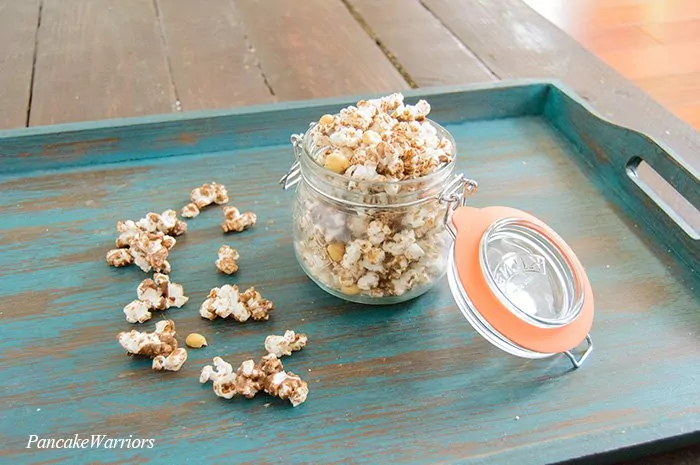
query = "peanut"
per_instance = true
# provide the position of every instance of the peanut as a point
(350, 290)
(196, 341)
(336, 162)
(326, 119)
(336, 250)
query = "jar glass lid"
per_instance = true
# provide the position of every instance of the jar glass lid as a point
(518, 283)
(531, 275)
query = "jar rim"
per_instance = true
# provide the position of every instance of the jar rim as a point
(442, 169)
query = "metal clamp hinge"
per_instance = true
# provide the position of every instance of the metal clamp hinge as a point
(455, 195)
(584, 356)
(293, 176)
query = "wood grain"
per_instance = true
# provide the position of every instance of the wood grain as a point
(99, 59)
(211, 62)
(673, 90)
(315, 48)
(515, 41)
(673, 32)
(657, 60)
(404, 384)
(18, 24)
(614, 40)
(428, 52)
(576, 15)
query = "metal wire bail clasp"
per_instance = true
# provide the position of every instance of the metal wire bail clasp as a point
(294, 174)
(455, 195)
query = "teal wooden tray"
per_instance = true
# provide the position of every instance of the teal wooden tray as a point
(409, 383)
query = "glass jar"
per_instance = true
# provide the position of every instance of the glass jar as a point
(513, 278)
(372, 242)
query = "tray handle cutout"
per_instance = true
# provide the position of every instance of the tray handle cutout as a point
(672, 202)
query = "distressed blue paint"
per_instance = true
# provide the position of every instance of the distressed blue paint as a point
(410, 383)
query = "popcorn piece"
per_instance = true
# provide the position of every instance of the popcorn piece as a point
(285, 345)
(207, 194)
(137, 312)
(147, 241)
(251, 378)
(150, 251)
(190, 210)
(160, 342)
(160, 294)
(172, 362)
(258, 307)
(235, 221)
(270, 364)
(227, 302)
(286, 385)
(377, 232)
(128, 231)
(222, 376)
(368, 281)
(119, 257)
(412, 113)
(227, 260)
(166, 222)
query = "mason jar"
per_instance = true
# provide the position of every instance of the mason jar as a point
(372, 242)
(516, 282)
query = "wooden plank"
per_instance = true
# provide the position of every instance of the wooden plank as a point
(516, 42)
(426, 50)
(99, 59)
(211, 62)
(18, 23)
(316, 48)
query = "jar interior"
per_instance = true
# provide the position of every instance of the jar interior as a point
(530, 274)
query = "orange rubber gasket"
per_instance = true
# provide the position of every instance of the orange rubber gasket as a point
(471, 224)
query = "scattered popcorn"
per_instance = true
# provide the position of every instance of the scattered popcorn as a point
(150, 251)
(172, 362)
(222, 376)
(196, 341)
(137, 312)
(285, 345)
(154, 294)
(160, 294)
(166, 222)
(251, 378)
(147, 242)
(227, 260)
(160, 342)
(237, 221)
(190, 210)
(208, 194)
(119, 257)
(259, 308)
(227, 302)
(286, 385)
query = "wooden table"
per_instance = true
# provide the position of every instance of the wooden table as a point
(77, 60)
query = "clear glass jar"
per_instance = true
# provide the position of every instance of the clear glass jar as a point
(368, 241)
